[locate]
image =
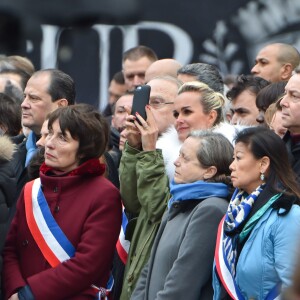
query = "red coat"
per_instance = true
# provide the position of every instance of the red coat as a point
(90, 216)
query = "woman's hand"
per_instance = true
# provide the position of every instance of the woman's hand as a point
(14, 297)
(148, 130)
(133, 134)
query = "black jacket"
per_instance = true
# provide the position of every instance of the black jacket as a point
(293, 153)
(8, 185)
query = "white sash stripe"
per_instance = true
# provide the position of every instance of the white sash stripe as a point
(125, 243)
(225, 272)
(51, 241)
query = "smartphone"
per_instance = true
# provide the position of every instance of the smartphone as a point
(140, 99)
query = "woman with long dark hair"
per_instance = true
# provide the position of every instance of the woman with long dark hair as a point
(257, 239)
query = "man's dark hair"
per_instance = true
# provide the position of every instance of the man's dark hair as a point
(138, 52)
(61, 85)
(119, 77)
(113, 107)
(246, 82)
(205, 73)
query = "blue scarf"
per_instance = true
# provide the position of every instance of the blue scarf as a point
(198, 190)
(30, 147)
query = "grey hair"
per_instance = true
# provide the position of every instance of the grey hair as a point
(206, 73)
(214, 150)
(209, 99)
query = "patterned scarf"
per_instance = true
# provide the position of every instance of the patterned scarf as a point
(239, 208)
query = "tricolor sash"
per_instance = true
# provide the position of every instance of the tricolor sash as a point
(223, 268)
(123, 244)
(49, 237)
(51, 240)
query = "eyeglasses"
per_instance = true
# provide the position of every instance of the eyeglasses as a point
(157, 103)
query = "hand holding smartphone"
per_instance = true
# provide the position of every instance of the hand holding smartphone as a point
(140, 100)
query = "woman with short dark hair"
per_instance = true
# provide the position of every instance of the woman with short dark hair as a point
(62, 239)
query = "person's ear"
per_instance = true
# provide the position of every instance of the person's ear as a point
(286, 71)
(210, 172)
(62, 102)
(113, 121)
(264, 164)
(212, 116)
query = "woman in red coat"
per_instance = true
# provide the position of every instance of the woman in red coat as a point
(61, 242)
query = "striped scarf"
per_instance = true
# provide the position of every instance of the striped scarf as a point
(239, 208)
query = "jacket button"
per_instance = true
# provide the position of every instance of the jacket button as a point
(25, 243)
(130, 278)
(176, 205)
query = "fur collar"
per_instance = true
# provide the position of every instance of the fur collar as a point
(170, 145)
(7, 148)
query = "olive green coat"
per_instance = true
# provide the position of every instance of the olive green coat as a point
(145, 191)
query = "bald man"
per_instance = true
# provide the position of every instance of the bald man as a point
(276, 62)
(162, 67)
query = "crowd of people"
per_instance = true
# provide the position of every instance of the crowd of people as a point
(198, 200)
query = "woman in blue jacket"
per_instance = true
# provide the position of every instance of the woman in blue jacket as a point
(257, 239)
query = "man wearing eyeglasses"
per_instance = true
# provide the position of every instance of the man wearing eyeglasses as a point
(163, 92)
(140, 153)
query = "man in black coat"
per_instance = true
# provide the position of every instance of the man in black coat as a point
(290, 104)
(45, 91)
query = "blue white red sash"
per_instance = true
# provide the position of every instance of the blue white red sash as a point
(51, 240)
(123, 244)
(225, 272)
(223, 267)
